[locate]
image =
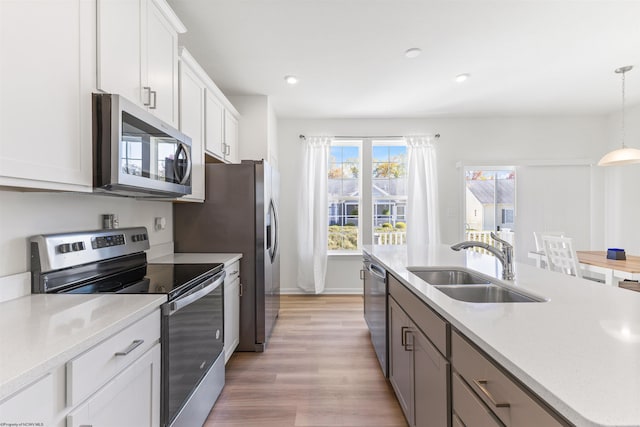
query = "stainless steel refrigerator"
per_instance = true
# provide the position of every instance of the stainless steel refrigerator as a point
(240, 214)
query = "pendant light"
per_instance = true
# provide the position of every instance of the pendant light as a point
(624, 155)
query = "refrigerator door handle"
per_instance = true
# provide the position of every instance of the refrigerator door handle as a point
(274, 230)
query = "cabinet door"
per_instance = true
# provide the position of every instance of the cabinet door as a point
(192, 124)
(231, 318)
(431, 383)
(120, 56)
(47, 64)
(20, 408)
(231, 138)
(135, 393)
(162, 64)
(401, 358)
(214, 125)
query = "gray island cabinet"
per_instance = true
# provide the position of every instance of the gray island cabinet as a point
(441, 379)
(569, 358)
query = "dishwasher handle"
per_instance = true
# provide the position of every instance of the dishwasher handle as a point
(379, 272)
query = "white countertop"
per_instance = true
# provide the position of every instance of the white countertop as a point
(38, 333)
(579, 351)
(197, 258)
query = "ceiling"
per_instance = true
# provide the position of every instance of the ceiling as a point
(535, 57)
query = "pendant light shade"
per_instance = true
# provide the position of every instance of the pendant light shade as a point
(621, 156)
(624, 155)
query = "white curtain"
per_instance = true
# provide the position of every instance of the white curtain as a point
(422, 194)
(313, 215)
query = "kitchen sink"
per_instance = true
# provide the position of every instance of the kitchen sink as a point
(448, 276)
(467, 286)
(485, 294)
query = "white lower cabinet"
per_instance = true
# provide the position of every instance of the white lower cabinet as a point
(232, 291)
(114, 383)
(131, 399)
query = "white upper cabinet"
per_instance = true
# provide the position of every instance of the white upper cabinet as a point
(231, 138)
(192, 92)
(221, 126)
(138, 53)
(47, 69)
(214, 125)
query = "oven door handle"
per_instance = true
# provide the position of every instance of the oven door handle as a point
(180, 303)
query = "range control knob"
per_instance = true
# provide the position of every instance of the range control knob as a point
(77, 246)
(64, 248)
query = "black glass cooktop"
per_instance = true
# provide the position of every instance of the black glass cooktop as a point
(170, 279)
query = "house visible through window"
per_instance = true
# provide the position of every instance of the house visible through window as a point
(370, 172)
(389, 192)
(344, 195)
(490, 203)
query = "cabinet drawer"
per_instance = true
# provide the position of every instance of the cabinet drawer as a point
(233, 272)
(87, 372)
(469, 408)
(433, 326)
(514, 405)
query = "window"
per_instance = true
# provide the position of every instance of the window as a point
(344, 195)
(367, 187)
(490, 202)
(389, 192)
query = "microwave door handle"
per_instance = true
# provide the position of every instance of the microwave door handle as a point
(181, 303)
(182, 179)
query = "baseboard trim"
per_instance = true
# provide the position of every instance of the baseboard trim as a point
(327, 291)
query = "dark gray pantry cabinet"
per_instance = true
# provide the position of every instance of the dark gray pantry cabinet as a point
(441, 379)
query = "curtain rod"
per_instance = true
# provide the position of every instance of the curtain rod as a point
(437, 135)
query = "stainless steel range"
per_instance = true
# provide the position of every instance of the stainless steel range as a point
(114, 261)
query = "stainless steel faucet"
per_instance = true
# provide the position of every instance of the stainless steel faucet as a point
(504, 253)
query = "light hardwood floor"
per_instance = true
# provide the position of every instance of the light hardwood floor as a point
(319, 370)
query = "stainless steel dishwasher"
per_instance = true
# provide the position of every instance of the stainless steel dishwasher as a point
(375, 308)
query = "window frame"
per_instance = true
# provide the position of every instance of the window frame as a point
(366, 223)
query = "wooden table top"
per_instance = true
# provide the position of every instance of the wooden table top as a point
(599, 258)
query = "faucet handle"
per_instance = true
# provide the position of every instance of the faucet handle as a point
(504, 243)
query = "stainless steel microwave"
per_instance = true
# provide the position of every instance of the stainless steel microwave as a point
(136, 154)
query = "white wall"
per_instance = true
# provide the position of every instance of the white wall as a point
(257, 136)
(24, 214)
(471, 141)
(622, 188)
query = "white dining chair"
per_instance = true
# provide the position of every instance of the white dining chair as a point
(561, 255)
(537, 236)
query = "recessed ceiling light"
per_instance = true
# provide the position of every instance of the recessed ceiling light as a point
(462, 77)
(413, 52)
(291, 79)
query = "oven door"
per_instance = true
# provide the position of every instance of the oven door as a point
(192, 340)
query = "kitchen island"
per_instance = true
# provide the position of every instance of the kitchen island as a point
(578, 351)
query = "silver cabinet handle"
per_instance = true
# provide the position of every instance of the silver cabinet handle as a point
(241, 289)
(135, 344)
(154, 94)
(234, 272)
(482, 385)
(148, 89)
(227, 151)
(361, 274)
(405, 343)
